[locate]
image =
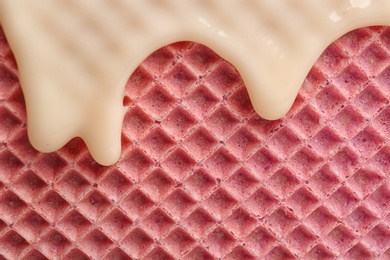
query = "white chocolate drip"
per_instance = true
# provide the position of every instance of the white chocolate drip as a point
(75, 56)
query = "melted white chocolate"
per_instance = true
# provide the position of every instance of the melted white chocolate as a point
(75, 56)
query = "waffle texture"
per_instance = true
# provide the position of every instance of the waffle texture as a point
(201, 175)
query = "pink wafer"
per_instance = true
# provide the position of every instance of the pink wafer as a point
(202, 176)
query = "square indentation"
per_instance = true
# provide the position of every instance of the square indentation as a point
(115, 185)
(339, 240)
(200, 143)
(158, 223)
(241, 184)
(200, 183)
(330, 101)
(158, 253)
(324, 182)
(240, 222)
(178, 242)
(157, 102)
(378, 239)
(223, 79)
(74, 225)
(348, 122)
(94, 204)
(138, 82)
(241, 102)
(90, 168)
(355, 40)
(54, 245)
(382, 122)
(261, 202)
(281, 221)
(361, 220)
(75, 254)
(333, 59)
(220, 203)
(222, 122)
(305, 162)
(157, 184)
(373, 58)
(359, 252)
(200, 102)
(367, 142)
(115, 254)
(29, 186)
(315, 80)
(3, 226)
(137, 204)
(34, 254)
(351, 79)
(243, 143)
(221, 163)
(13, 245)
(260, 241)
(378, 202)
(280, 252)
(199, 222)
(300, 240)
(9, 123)
(302, 202)
(370, 100)
(264, 128)
(50, 165)
(321, 221)
(199, 253)
(135, 164)
(284, 142)
(342, 201)
(137, 243)
(53, 205)
(201, 58)
(72, 150)
(178, 123)
(136, 123)
(307, 91)
(116, 224)
(9, 164)
(96, 243)
(380, 161)
(178, 164)
(158, 61)
(283, 183)
(345, 162)
(22, 147)
(307, 121)
(219, 242)
(8, 80)
(326, 141)
(383, 80)
(11, 206)
(385, 37)
(240, 252)
(157, 142)
(320, 252)
(179, 80)
(178, 203)
(72, 185)
(31, 226)
(364, 182)
(263, 162)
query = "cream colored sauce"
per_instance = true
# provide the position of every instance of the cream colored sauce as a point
(75, 56)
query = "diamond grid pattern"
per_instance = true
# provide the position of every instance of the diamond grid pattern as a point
(201, 175)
